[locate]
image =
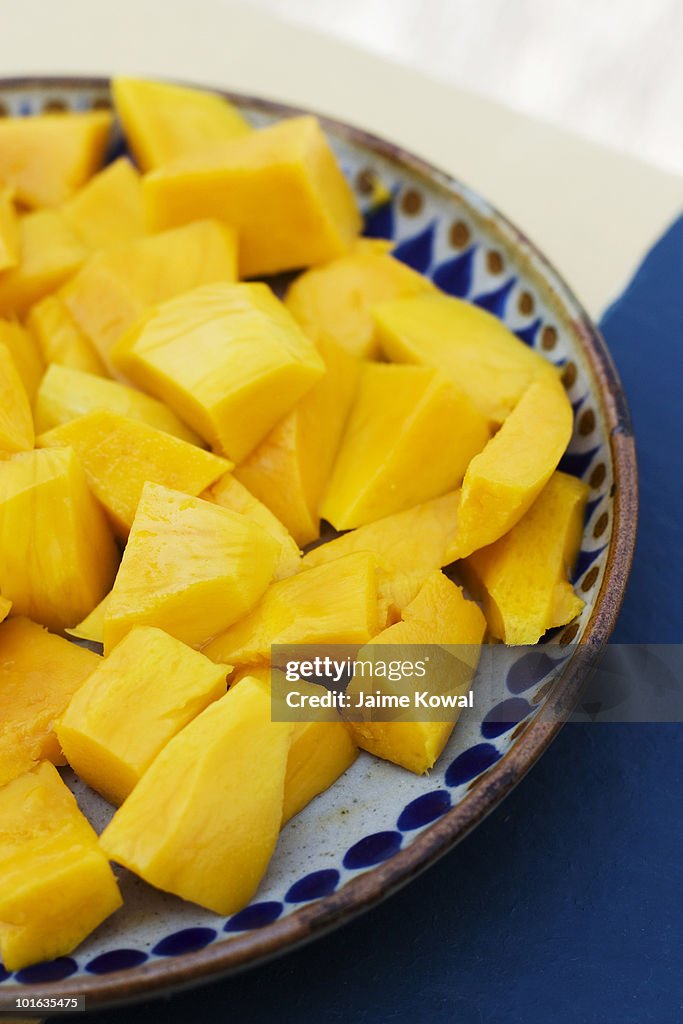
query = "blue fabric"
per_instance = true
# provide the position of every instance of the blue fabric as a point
(565, 905)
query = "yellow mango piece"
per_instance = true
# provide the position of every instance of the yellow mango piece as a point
(119, 455)
(280, 188)
(410, 437)
(522, 579)
(439, 614)
(16, 421)
(5, 608)
(231, 494)
(335, 301)
(39, 674)
(59, 338)
(9, 230)
(190, 567)
(163, 122)
(503, 481)
(148, 689)
(334, 604)
(109, 209)
(227, 358)
(57, 554)
(47, 157)
(290, 468)
(66, 393)
(204, 819)
(468, 344)
(92, 626)
(49, 252)
(25, 353)
(55, 883)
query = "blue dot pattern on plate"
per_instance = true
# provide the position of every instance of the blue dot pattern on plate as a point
(381, 809)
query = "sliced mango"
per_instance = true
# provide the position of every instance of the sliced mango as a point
(320, 753)
(47, 157)
(163, 122)
(49, 252)
(215, 796)
(16, 421)
(9, 230)
(292, 611)
(289, 470)
(280, 188)
(60, 340)
(39, 674)
(5, 608)
(57, 554)
(136, 700)
(227, 358)
(109, 209)
(92, 626)
(190, 567)
(522, 579)
(503, 481)
(25, 353)
(55, 883)
(119, 455)
(402, 416)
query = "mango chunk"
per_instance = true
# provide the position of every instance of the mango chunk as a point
(227, 358)
(66, 393)
(467, 343)
(214, 795)
(402, 416)
(334, 302)
(280, 188)
(49, 252)
(439, 614)
(503, 481)
(289, 470)
(109, 209)
(47, 157)
(148, 689)
(55, 883)
(190, 567)
(25, 354)
(163, 122)
(5, 608)
(522, 579)
(292, 611)
(57, 554)
(16, 421)
(92, 626)
(59, 338)
(39, 674)
(9, 230)
(231, 494)
(119, 455)
(120, 284)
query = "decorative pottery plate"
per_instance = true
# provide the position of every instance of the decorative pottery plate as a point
(379, 825)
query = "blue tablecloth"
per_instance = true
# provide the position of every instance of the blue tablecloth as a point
(566, 905)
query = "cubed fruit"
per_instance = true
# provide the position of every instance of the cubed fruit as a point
(55, 883)
(227, 358)
(410, 437)
(16, 421)
(439, 615)
(118, 285)
(60, 339)
(204, 819)
(119, 455)
(280, 187)
(136, 700)
(5, 608)
(57, 553)
(522, 579)
(46, 158)
(334, 302)
(49, 252)
(290, 468)
(293, 611)
(468, 344)
(231, 494)
(9, 230)
(320, 753)
(190, 567)
(163, 122)
(503, 481)
(25, 353)
(92, 626)
(39, 674)
(66, 393)
(109, 209)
